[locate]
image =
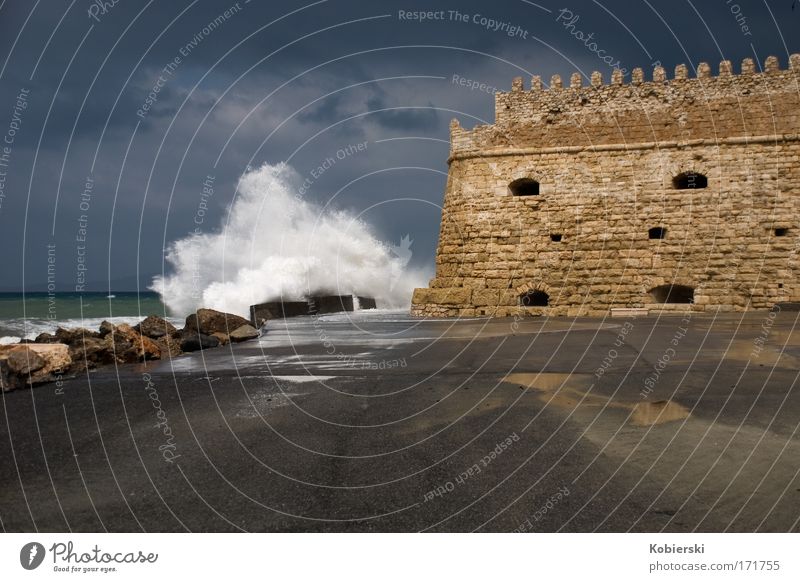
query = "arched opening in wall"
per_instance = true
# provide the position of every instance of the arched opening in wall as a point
(689, 180)
(656, 233)
(534, 299)
(673, 294)
(524, 187)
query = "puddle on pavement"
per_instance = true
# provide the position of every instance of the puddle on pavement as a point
(770, 353)
(259, 404)
(570, 390)
(304, 379)
(564, 390)
(650, 413)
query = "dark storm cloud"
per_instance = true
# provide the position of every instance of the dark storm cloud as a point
(328, 111)
(400, 118)
(148, 99)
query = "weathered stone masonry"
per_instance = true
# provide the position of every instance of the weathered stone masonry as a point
(667, 194)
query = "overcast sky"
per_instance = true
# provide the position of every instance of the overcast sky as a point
(285, 82)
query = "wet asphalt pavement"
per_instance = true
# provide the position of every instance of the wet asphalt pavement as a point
(382, 422)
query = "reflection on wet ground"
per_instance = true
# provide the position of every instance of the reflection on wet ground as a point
(345, 422)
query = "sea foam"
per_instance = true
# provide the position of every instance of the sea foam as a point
(275, 244)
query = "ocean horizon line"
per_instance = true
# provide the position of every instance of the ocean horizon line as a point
(45, 292)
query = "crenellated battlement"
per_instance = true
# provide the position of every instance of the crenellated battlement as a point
(659, 74)
(682, 108)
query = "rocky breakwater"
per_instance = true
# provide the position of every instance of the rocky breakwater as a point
(208, 329)
(68, 352)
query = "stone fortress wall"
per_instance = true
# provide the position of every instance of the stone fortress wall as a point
(662, 194)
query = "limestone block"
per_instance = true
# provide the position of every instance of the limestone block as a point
(485, 297)
(446, 296)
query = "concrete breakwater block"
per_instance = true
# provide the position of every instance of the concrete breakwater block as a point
(366, 303)
(276, 310)
(322, 304)
(317, 305)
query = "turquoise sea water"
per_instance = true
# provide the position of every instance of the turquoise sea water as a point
(27, 315)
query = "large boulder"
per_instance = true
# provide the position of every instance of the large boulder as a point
(75, 335)
(29, 364)
(155, 327)
(67, 336)
(119, 344)
(127, 345)
(243, 333)
(106, 327)
(169, 346)
(25, 362)
(209, 321)
(45, 338)
(112, 344)
(194, 341)
(91, 353)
